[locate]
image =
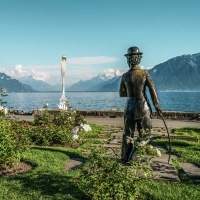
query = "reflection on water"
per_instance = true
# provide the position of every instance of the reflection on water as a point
(170, 101)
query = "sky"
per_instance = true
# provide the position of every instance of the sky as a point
(93, 35)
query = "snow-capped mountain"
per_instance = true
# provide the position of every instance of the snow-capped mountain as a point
(95, 84)
(109, 74)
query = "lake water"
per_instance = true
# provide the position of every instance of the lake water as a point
(169, 101)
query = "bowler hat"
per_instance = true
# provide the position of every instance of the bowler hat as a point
(133, 51)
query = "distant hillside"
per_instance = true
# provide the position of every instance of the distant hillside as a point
(179, 73)
(39, 85)
(111, 87)
(13, 85)
(57, 87)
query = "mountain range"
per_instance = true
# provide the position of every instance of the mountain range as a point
(179, 73)
(13, 85)
(109, 76)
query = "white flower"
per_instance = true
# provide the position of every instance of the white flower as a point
(75, 137)
(158, 152)
(142, 143)
(86, 127)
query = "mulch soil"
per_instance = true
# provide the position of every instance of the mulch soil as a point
(18, 168)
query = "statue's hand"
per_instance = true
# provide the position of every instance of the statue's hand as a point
(158, 110)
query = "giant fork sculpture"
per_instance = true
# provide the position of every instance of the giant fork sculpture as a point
(63, 101)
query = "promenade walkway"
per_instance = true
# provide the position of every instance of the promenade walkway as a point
(119, 121)
(155, 122)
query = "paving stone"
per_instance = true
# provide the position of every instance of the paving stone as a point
(107, 131)
(192, 170)
(73, 162)
(111, 145)
(162, 170)
(117, 129)
(119, 134)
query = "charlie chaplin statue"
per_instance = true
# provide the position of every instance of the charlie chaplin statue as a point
(137, 111)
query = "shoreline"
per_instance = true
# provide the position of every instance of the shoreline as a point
(173, 115)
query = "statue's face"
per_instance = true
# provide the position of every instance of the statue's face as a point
(133, 60)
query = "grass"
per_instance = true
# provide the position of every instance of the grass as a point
(49, 180)
(168, 190)
(187, 131)
(186, 150)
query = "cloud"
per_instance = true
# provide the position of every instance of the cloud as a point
(18, 72)
(91, 60)
(77, 68)
(39, 75)
(112, 72)
(142, 67)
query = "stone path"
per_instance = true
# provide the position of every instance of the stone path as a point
(161, 169)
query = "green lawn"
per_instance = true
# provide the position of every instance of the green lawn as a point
(49, 179)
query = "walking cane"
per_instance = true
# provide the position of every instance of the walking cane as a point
(168, 135)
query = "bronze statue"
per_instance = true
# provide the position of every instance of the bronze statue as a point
(137, 110)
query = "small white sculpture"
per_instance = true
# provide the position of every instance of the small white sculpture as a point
(75, 132)
(46, 105)
(4, 110)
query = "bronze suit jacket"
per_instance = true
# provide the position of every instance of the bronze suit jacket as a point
(133, 85)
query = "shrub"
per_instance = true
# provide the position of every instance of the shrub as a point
(68, 118)
(50, 130)
(103, 177)
(50, 134)
(11, 144)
